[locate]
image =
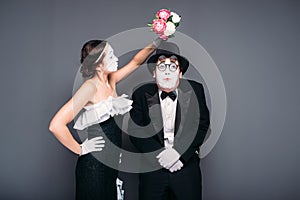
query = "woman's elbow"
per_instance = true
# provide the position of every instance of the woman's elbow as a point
(53, 126)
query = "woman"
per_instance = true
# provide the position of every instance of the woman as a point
(99, 99)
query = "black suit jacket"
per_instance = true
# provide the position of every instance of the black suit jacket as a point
(191, 122)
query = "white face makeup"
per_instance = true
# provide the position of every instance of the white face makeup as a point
(167, 79)
(110, 60)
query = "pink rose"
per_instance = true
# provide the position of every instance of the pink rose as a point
(164, 37)
(159, 26)
(163, 14)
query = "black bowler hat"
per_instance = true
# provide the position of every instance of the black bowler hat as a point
(168, 49)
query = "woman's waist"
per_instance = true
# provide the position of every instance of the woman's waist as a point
(109, 133)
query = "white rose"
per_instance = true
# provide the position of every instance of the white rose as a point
(170, 29)
(175, 17)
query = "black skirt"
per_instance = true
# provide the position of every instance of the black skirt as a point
(96, 173)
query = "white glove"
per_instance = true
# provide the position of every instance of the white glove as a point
(176, 167)
(168, 157)
(94, 144)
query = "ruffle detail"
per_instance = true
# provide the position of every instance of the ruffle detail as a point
(102, 111)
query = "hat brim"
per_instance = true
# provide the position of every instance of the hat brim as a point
(152, 60)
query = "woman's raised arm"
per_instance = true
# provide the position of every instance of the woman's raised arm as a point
(137, 60)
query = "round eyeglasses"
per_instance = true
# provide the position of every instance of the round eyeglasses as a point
(172, 63)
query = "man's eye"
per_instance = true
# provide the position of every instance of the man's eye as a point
(173, 66)
(161, 67)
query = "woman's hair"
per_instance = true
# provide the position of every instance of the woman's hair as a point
(90, 53)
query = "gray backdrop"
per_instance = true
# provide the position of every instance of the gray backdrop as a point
(254, 43)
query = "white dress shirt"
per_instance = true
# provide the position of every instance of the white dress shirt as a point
(168, 109)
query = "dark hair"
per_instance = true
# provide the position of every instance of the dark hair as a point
(90, 52)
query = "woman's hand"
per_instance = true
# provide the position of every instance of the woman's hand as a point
(94, 144)
(157, 42)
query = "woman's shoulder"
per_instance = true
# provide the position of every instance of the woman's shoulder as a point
(89, 85)
(86, 91)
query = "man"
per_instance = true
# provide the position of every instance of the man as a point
(169, 121)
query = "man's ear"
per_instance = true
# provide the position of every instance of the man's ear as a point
(154, 74)
(180, 74)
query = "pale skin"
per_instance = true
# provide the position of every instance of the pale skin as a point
(94, 90)
(167, 89)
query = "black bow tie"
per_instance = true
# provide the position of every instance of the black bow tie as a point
(172, 95)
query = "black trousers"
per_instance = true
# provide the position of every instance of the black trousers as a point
(184, 184)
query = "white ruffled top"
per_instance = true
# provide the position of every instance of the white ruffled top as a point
(102, 111)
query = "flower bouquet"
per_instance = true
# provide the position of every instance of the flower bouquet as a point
(165, 23)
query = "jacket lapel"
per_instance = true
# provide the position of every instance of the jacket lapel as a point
(183, 104)
(155, 113)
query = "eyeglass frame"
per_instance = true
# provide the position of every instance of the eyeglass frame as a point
(162, 61)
